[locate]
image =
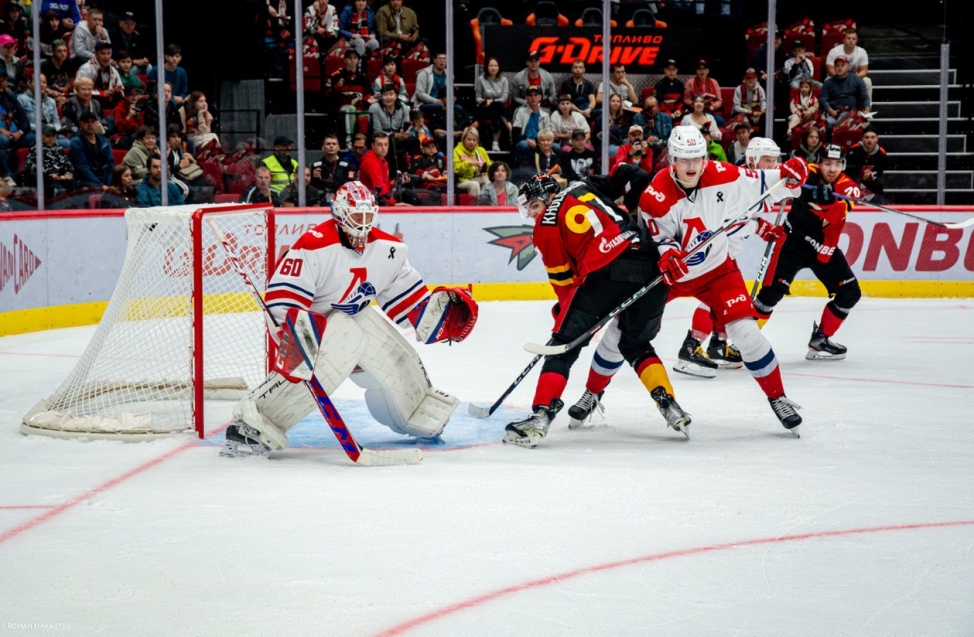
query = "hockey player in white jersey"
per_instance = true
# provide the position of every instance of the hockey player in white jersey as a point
(682, 207)
(320, 293)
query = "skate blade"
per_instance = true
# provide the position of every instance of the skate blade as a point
(529, 442)
(242, 450)
(574, 423)
(815, 355)
(728, 365)
(683, 427)
(692, 369)
(794, 431)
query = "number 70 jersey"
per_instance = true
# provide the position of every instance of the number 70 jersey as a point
(322, 273)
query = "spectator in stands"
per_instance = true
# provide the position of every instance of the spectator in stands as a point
(388, 76)
(172, 110)
(714, 150)
(866, 163)
(804, 106)
(843, 92)
(14, 129)
(669, 92)
(533, 75)
(375, 173)
(290, 195)
(276, 25)
(547, 157)
(750, 100)
(324, 25)
(703, 86)
(67, 11)
(197, 121)
(470, 163)
(91, 153)
(107, 83)
(634, 151)
(348, 90)
(348, 167)
(81, 102)
(357, 25)
(58, 171)
(619, 84)
(811, 149)
(759, 61)
(58, 70)
(566, 121)
(398, 27)
(735, 152)
(620, 120)
(127, 119)
(656, 124)
(121, 193)
(174, 74)
(581, 161)
(529, 120)
(51, 30)
(261, 192)
(390, 116)
(137, 158)
(324, 172)
(500, 191)
(126, 72)
(150, 191)
(699, 117)
(124, 37)
(799, 67)
(86, 35)
(50, 116)
(581, 90)
(492, 92)
(427, 168)
(280, 164)
(185, 171)
(856, 57)
(10, 63)
(417, 125)
(15, 25)
(430, 95)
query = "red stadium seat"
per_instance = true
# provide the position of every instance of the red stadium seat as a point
(332, 65)
(373, 68)
(227, 197)
(647, 91)
(727, 101)
(118, 155)
(312, 75)
(410, 68)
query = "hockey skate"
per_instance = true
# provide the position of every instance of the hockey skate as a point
(243, 440)
(786, 411)
(821, 348)
(530, 431)
(581, 412)
(675, 416)
(720, 351)
(693, 360)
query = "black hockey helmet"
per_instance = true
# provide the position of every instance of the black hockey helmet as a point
(538, 187)
(835, 152)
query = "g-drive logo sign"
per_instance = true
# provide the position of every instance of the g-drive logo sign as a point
(17, 264)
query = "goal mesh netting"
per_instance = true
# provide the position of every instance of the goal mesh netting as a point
(181, 325)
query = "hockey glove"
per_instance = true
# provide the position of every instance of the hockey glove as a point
(769, 232)
(672, 267)
(822, 194)
(795, 170)
(448, 315)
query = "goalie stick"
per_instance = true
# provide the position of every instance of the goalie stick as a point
(356, 452)
(554, 350)
(941, 224)
(767, 253)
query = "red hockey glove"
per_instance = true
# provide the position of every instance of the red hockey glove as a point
(672, 267)
(795, 170)
(769, 232)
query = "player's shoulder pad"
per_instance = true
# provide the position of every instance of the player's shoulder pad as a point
(321, 236)
(377, 234)
(845, 185)
(718, 173)
(660, 195)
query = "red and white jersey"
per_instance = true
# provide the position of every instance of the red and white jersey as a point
(677, 220)
(322, 273)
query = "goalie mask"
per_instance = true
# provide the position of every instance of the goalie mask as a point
(538, 187)
(355, 210)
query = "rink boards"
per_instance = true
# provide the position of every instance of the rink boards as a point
(58, 269)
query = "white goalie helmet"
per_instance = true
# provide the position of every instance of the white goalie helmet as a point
(355, 209)
(760, 147)
(688, 142)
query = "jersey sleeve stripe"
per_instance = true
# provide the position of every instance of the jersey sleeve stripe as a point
(287, 295)
(385, 308)
(570, 281)
(561, 268)
(560, 276)
(286, 304)
(407, 304)
(292, 287)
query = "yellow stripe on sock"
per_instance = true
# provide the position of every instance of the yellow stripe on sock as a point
(761, 322)
(655, 376)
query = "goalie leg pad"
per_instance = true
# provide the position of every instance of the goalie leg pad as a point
(342, 346)
(273, 407)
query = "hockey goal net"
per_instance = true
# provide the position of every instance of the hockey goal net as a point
(181, 327)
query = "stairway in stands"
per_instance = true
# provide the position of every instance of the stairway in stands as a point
(905, 70)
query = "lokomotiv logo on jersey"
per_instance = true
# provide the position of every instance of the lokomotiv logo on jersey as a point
(698, 257)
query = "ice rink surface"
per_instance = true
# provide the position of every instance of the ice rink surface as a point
(864, 526)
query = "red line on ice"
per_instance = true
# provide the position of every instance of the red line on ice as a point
(656, 557)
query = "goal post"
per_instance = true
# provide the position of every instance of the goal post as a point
(180, 328)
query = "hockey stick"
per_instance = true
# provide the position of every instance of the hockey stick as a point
(486, 412)
(941, 224)
(554, 350)
(767, 253)
(357, 453)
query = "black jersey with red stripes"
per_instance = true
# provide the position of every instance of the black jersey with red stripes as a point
(820, 225)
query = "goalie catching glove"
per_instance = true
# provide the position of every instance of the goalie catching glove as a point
(448, 315)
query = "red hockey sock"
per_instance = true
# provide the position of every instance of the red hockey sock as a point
(830, 323)
(702, 324)
(550, 386)
(597, 382)
(771, 384)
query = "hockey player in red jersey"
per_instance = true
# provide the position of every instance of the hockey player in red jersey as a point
(595, 259)
(320, 293)
(814, 225)
(683, 207)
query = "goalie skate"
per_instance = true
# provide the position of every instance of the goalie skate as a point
(581, 412)
(530, 431)
(821, 348)
(720, 351)
(672, 412)
(243, 440)
(693, 360)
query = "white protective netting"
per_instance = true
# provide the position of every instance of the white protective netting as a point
(136, 378)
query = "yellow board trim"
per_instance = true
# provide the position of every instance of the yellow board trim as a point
(58, 316)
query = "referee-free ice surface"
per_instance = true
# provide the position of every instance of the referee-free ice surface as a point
(864, 526)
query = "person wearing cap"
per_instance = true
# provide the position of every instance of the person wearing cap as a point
(582, 91)
(49, 109)
(10, 63)
(798, 66)
(124, 37)
(635, 151)
(388, 76)
(356, 24)
(760, 59)
(714, 150)
(57, 168)
(127, 118)
(173, 74)
(618, 84)
(736, 151)
(427, 168)
(398, 27)
(669, 91)
(99, 69)
(856, 58)
(702, 85)
(91, 154)
(533, 75)
(87, 34)
(492, 91)
(565, 121)
(529, 120)
(15, 24)
(750, 100)
(280, 164)
(843, 92)
(582, 160)
(866, 164)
